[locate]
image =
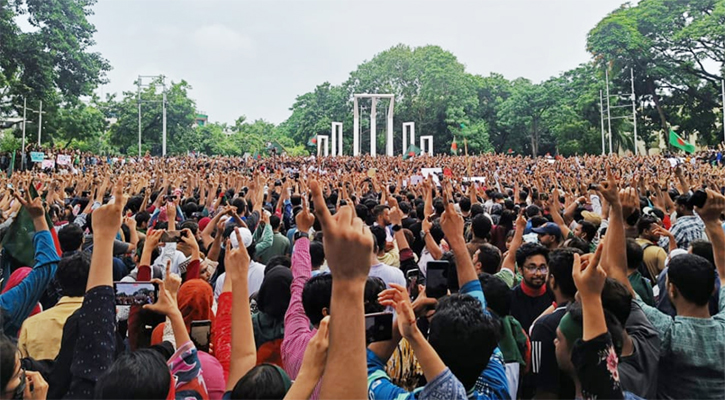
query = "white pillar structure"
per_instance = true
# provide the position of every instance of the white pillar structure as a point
(336, 133)
(426, 145)
(326, 139)
(408, 132)
(373, 127)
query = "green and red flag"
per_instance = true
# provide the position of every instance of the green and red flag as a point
(312, 142)
(412, 151)
(680, 143)
(454, 147)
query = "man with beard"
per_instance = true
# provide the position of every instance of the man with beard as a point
(549, 235)
(687, 227)
(531, 298)
(548, 381)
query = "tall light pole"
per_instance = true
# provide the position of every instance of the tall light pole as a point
(609, 116)
(25, 115)
(40, 121)
(601, 114)
(634, 111)
(163, 119)
(723, 108)
(138, 95)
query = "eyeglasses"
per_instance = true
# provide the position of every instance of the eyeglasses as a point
(533, 268)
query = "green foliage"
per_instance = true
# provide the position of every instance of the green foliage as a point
(8, 142)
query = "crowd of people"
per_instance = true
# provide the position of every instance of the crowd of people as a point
(592, 277)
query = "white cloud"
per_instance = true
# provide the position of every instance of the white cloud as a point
(218, 37)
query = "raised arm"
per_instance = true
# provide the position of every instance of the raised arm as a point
(614, 257)
(452, 225)
(348, 245)
(510, 261)
(18, 302)
(244, 352)
(710, 215)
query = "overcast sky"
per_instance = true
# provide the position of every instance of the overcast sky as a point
(254, 57)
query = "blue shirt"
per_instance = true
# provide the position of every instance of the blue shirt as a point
(492, 384)
(18, 302)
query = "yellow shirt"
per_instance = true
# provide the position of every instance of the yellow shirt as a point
(41, 334)
(654, 257)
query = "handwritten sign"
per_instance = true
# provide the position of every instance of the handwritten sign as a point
(37, 156)
(63, 159)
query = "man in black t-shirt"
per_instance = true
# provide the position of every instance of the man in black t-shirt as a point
(548, 380)
(530, 298)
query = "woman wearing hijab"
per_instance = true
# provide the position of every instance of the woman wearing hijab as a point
(272, 302)
(195, 300)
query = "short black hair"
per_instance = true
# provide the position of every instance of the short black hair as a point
(316, 295)
(277, 261)
(362, 212)
(72, 273)
(380, 237)
(490, 258)
(635, 254)
(141, 217)
(379, 209)
(530, 249)
(589, 229)
(703, 248)
(141, 374)
(404, 207)
(481, 226)
(274, 222)
(617, 299)
(645, 222)
(577, 243)
(317, 253)
(264, 381)
(498, 294)
(561, 262)
(693, 276)
(465, 204)
(464, 336)
(373, 286)
(70, 237)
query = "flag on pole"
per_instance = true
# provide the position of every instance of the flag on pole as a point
(312, 142)
(680, 143)
(412, 151)
(454, 147)
(274, 148)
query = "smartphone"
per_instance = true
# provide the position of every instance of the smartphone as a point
(378, 327)
(135, 293)
(413, 279)
(436, 279)
(171, 236)
(200, 334)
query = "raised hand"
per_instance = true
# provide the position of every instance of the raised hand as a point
(609, 189)
(107, 218)
(589, 276)
(304, 218)
(713, 208)
(452, 223)
(397, 297)
(348, 242)
(236, 260)
(166, 303)
(34, 205)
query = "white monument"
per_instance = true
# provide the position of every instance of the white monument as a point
(336, 133)
(373, 128)
(426, 145)
(408, 132)
(326, 139)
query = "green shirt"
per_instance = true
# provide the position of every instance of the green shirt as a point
(643, 288)
(692, 351)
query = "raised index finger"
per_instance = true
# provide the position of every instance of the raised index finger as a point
(320, 206)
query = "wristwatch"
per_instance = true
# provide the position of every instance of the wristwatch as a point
(397, 228)
(300, 234)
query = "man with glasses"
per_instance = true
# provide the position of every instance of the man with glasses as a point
(531, 297)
